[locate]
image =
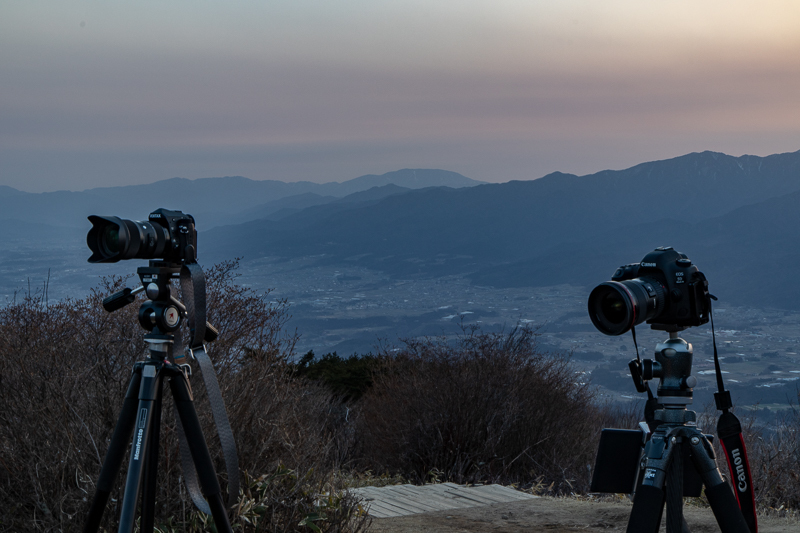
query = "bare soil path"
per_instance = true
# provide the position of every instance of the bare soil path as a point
(557, 515)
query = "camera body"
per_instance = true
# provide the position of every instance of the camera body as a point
(167, 235)
(664, 289)
(685, 288)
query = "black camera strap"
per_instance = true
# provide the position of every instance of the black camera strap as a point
(193, 287)
(641, 386)
(729, 431)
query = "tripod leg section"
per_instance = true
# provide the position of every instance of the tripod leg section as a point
(148, 393)
(675, 519)
(720, 496)
(151, 466)
(648, 503)
(209, 484)
(115, 454)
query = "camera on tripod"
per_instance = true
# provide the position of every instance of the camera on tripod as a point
(168, 239)
(668, 457)
(665, 289)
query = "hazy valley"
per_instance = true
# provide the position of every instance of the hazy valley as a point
(422, 252)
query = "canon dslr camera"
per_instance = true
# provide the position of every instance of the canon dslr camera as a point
(665, 289)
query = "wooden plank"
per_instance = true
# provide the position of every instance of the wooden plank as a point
(504, 492)
(459, 494)
(380, 498)
(406, 499)
(447, 499)
(483, 496)
(427, 498)
(393, 507)
(411, 504)
(367, 492)
(378, 510)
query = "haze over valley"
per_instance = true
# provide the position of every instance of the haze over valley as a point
(421, 252)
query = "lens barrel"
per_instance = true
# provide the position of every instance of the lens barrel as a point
(616, 306)
(113, 239)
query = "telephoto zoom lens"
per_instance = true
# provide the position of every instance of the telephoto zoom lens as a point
(616, 306)
(113, 239)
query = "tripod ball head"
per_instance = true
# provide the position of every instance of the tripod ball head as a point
(673, 367)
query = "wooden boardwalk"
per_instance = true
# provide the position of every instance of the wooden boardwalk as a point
(399, 500)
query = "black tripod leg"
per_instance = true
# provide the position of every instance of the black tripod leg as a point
(115, 454)
(648, 505)
(648, 502)
(675, 521)
(719, 493)
(151, 380)
(151, 466)
(197, 445)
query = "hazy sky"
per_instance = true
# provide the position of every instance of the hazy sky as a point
(113, 93)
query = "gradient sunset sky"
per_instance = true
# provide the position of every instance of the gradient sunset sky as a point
(113, 93)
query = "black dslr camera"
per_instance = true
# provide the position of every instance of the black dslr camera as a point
(665, 289)
(167, 235)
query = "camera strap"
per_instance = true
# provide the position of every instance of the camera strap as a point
(193, 287)
(641, 386)
(729, 431)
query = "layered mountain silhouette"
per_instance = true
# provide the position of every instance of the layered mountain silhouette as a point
(736, 217)
(212, 201)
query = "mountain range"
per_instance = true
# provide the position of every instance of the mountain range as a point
(736, 217)
(212, 201)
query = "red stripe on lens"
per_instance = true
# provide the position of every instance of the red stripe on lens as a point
(633, 304)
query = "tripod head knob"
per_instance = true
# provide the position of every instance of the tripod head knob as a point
(120, 299)
(162, 316)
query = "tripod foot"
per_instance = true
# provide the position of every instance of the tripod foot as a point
(647, 509)
(726, 510)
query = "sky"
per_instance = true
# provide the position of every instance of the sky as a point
(105, 93)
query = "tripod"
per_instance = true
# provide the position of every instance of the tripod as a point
(675, 437)
(140, 416)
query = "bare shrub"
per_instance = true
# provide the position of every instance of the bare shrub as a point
(489, 408)
(64, 370)
(774, 453)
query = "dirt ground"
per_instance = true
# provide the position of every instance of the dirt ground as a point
(555, 515)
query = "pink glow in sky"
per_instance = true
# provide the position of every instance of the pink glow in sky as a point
(98, 94)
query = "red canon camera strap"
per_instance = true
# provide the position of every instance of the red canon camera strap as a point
(729, 431)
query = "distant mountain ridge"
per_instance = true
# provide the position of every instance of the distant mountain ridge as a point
(738, 218)
(213, 201)
(562, 228)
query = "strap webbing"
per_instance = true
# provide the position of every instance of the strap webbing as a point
(189, 472)
(193, 287)
(221, 420)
